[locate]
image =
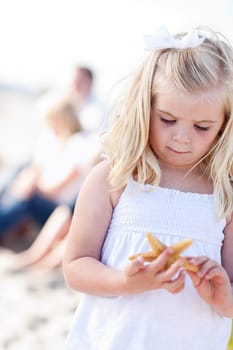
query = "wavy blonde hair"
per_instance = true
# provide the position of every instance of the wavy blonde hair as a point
(192, 70)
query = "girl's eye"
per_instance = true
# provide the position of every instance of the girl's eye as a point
(201, 128)
(167, 121)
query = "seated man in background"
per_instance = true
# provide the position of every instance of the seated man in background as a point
(55, 174)
(46, 251)
(46, 248)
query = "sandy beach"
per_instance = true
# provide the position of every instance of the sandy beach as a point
(36, 309)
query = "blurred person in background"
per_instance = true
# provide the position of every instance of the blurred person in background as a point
(55, 174)
(46, 251)
(89, 107)
(90, 111)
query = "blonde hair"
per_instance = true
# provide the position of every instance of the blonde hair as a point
(192, 70)
(64, 111)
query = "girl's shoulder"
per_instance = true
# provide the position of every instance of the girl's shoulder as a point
(95, 188)
(99, 177)
(99, 173)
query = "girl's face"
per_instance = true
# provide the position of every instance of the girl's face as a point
(185, 126)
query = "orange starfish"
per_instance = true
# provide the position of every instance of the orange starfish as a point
(158, 247)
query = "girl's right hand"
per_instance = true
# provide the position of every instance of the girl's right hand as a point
(141, 277)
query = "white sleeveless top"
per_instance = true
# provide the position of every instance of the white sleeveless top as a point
(154, 320)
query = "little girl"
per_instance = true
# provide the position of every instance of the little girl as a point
(168, 171)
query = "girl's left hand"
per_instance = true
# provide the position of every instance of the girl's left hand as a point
(213, 284)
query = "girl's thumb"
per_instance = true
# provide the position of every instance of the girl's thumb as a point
(136, 265)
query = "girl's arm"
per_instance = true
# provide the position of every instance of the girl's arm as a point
(227, 249)
(83, 270)
(213, 282)
(93, 211)
(227, 253)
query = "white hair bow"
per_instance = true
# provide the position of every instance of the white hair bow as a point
(162, 39)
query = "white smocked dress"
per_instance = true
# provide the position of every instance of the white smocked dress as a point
(154, 320)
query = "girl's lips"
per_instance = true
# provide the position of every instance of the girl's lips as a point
(178, 152)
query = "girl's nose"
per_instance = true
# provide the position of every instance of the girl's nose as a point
(181, 138)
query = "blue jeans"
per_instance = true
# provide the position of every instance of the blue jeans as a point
(11, 177)
(13, 211)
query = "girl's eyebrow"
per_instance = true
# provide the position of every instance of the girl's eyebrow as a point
(197, 121)
(166, 112)
(207, 121)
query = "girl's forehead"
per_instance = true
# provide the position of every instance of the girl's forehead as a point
(212, 95)
(204, 105)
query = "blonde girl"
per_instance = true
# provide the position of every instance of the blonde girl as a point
(168, 171)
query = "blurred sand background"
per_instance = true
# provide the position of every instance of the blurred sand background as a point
(36, 307)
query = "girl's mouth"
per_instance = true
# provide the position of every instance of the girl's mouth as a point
(177, 151)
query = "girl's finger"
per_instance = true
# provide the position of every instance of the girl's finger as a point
(206, 267)
(135, 266)
(196, 280)
(199, 260)
(215, 271)
(160, 262)
(177, 284)
(168, 275)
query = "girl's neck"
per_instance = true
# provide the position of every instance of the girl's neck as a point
(185, 180)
